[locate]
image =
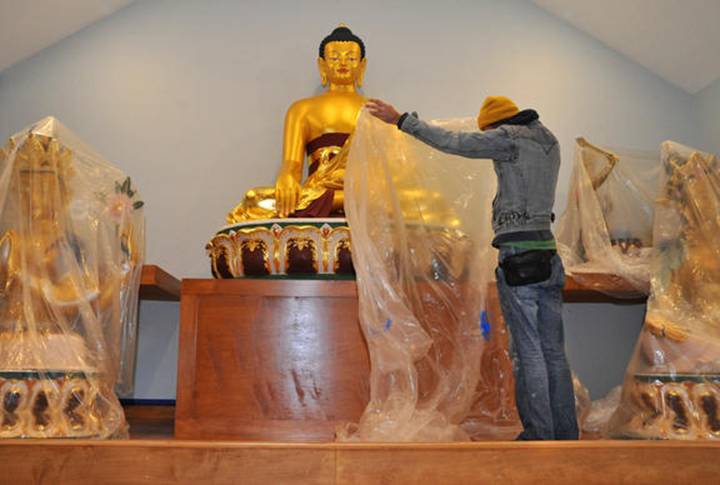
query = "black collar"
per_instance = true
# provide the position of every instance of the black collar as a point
(524, 117)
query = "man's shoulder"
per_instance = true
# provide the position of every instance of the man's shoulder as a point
(507, 131)
(534, 131)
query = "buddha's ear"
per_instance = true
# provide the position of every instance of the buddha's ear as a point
(361, 73)
(322, 67)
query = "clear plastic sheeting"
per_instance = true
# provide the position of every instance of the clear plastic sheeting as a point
(421, 233)
(607, 225)
(595, 423)
(672, 385)
(71, 251)
(583, 402)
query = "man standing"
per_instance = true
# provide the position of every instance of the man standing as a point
(530, 274)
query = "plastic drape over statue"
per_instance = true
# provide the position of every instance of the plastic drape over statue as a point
(654, 222)
(607, 225)
(672, 385)
(420, 223)
(71, 250)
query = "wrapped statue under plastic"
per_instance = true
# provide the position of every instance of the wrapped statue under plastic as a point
(71, 251)
(672, 385)
(420, 225)
(607, 225)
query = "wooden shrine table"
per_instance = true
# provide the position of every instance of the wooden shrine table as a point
(157, 284)
(285, 360)
(276, 360)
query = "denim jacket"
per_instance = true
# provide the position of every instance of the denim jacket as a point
(526, 159)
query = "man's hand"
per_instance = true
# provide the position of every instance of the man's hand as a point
(382, 110)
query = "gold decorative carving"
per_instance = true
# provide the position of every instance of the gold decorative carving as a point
(274, 239)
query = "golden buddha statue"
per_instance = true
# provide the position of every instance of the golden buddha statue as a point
(61, 296)
(319, 126)
(37, 279)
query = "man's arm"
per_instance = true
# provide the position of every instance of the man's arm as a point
(494, 144)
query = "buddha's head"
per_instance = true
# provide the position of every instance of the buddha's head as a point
(342, 58)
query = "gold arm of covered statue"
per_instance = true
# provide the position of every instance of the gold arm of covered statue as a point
(664, 328)
(113, 281)
(612, 160)
(8, 265)
(129, 246)
(287, 186)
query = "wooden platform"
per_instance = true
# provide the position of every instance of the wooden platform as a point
(192, 462)
(285, 360)
(269, 360)
(159, 285)
(151, 456)
(600, 288)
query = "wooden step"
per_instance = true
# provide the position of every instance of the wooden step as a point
(191, 462)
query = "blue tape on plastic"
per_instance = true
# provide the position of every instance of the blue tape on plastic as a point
(485, 325)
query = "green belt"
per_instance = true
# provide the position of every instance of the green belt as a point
(547, 244)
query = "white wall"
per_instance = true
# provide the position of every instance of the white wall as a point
(189, 97)
(707, 106)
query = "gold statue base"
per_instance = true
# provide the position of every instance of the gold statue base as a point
(53, 405)
(283, 248)
(685, 407)
(48, 389)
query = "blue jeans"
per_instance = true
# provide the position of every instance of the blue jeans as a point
(543, 383)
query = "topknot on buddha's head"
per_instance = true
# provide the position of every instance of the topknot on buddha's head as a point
(342, 34)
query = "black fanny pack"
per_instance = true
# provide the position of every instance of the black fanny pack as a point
(527, 268)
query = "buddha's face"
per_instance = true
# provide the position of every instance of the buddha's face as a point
(39, 192)
(343, 64)
(42, 164)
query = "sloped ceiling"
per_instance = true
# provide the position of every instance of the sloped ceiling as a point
(678, 40)
(29, 26)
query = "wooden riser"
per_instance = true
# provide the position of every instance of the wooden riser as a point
(271, 360)
(170, 461)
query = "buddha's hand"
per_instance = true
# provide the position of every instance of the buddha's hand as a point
(382, 110)
(287, 195)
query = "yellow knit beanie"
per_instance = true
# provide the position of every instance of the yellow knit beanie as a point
(494, 109)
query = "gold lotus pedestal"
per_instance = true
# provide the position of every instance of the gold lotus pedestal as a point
(314, 248)
(48, 390)
(57, 404)
(675, 406)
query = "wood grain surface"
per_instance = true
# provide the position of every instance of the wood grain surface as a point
(189, 462)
